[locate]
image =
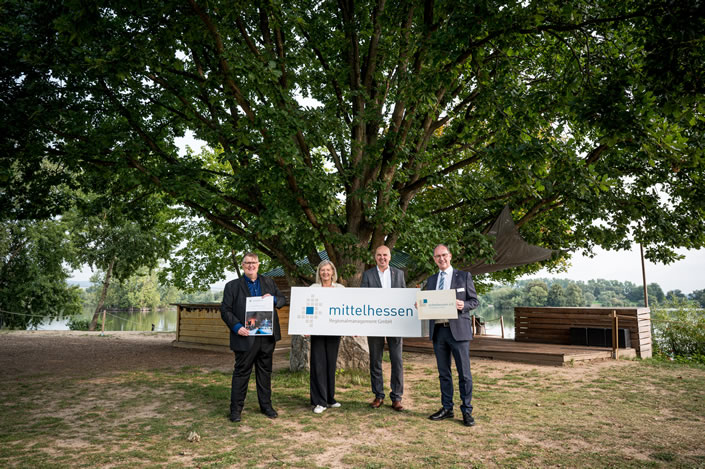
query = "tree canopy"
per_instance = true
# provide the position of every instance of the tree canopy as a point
(345, 125)
(32, 274)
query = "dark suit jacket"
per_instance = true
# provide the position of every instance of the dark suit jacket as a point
(370, 278)
(232, 309)
(461, 328)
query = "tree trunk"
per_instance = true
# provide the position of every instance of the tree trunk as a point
(106, 284)
(235, 263)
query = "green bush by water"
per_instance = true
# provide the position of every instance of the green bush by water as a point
(80, 324)
(679, 332)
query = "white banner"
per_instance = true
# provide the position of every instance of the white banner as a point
(376, 312)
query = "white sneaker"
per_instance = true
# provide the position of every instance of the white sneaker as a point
(318, 409)
(335, 405)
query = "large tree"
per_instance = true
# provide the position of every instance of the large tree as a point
(33, 278)
(345, 125)
(120, 238)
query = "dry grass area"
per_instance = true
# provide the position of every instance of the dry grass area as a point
(137, 410)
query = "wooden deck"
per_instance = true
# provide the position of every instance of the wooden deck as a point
(497, 348)
(551, 325)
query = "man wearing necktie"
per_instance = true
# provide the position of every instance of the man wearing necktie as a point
(453, 336)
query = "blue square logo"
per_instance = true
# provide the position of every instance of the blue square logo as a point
(309, 309)
(425, 301)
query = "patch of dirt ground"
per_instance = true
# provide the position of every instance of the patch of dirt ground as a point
(79, 353)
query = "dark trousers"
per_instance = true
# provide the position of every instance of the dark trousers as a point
(376, 345)
(259, 356)
(324, 356)
(444, 345)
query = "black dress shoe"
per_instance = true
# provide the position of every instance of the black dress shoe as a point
(468, 421)
(442, 414)
(235, 417)
(271, 413)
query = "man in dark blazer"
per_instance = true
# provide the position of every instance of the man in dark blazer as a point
(250, 350)
(452, 337)
(385, 276)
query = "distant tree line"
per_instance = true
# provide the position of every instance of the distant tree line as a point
(600, 292)
(143, 290)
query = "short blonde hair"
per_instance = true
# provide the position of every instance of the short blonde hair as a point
(323, 264)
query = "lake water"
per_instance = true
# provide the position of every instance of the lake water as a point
(492, 322)
(163, 321)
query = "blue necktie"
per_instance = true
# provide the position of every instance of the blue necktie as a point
(441, 283)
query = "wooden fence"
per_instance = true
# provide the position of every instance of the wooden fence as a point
(551, 325)
(200, 326)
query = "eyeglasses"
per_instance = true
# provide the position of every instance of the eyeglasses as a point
(441, 256)
(250, 263)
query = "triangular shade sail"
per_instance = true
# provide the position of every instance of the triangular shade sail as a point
(511, 250)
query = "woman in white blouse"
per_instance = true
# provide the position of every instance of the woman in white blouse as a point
(324, 350)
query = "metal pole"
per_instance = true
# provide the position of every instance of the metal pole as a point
(643, 276)
(501, 323)
(615, 335)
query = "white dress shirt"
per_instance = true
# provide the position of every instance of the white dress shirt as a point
(447, 280)
(385, 278)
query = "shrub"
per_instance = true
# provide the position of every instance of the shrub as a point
(79, 324)
(679, 331)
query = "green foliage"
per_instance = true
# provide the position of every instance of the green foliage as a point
(128, 234)
(556, 296)
(574, 296)
(32, 274)
(205, 256)
(698, 296)
(144, 290)
(79, 324)
(563, 292)
(420, 122)
(536, 293)
(679, 331)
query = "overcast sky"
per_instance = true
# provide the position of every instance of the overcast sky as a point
(686, 275)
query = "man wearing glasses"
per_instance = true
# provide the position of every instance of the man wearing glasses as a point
(250, 350)
(453, 336)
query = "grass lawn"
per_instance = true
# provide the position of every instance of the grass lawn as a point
(608, 414)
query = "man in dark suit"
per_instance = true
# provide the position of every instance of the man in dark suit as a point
(385, 276)
(250, 350)
(452, 337)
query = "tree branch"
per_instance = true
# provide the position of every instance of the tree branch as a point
(248, 40)
(414, 186)
(535, 210)
(370, 62)
(224, 67)
(596, 153)
(546, 27)
(331, 77)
